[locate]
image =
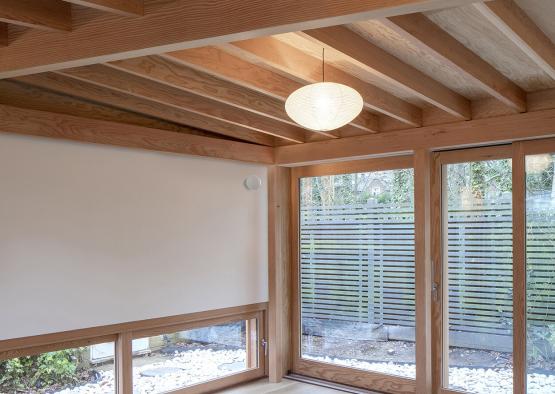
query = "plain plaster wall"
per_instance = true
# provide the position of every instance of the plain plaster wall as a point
(93, 235)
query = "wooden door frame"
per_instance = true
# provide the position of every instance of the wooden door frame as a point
(339, 374)
(440, 353)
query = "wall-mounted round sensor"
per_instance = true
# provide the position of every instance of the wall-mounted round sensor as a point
(253, 182)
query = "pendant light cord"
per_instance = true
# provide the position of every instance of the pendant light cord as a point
(323, 64)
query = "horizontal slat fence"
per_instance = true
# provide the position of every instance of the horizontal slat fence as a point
(357, 265)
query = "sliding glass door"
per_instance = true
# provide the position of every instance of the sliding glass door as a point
(356, 292)
(540, 269)
(477, 324)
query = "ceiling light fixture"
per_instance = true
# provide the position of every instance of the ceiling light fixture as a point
(324, 106)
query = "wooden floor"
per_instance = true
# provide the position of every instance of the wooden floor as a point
(286, 386)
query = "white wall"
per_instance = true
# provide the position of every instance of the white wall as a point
(93, 235)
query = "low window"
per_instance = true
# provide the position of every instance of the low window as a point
(67, 371)
(177, 359)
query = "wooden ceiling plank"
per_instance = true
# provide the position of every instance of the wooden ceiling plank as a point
(480, 132)
(22, 95)
(77, 88)
(121, 7)
(39, 14)
(180, 24)
(53, 125)
(307, 69)
(4, 41)
(425, 34)
(171, 73)
(509, 18)
(391, 69)
(127, 83)
(214, 61)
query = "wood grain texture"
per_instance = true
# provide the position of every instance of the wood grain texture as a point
(124, 363)
(468, 26)
(519, 268)
(48, 124)
(279, 272)
(171, 73)
(4, 37)
(423, 269)
(40, 14)
(76, 88)
(239, 72)
(144, 88)
(427, 35)
(530, 125)
(26, 96)
(522, 31)
(387, 67)
(180, 24)
(297, 64)
(121, 7)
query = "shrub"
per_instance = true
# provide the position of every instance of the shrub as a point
(57, 369)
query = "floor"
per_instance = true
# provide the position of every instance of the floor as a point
(286, 386)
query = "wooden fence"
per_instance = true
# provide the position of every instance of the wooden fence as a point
(357, 266)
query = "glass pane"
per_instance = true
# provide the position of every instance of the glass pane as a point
(68, 371)
(357, 271)
(478, 249)
(171, 361)
(540, 264)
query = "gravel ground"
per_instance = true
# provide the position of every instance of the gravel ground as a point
(179, 370)
(474, 380)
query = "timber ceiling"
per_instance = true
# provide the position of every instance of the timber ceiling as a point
(452, 62)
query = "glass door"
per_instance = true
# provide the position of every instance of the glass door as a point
(476, 272)
(355, 274)
(539, 196)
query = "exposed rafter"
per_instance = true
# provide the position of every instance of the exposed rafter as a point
(181, 24)
(307, 69)
(76, 88)
(522, 31)
(122, 7)
(391, 69)
(53, 125)
(140, 87)
(422, 32)
(40, 14)
(173, 74)
(214, 61)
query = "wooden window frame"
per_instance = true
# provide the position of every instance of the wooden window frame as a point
(330, 372)
(122, 335)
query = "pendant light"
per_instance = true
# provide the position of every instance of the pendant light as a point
(323, 106)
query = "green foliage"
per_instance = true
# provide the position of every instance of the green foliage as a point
(44, 370)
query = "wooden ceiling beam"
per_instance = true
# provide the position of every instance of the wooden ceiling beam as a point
(127, 83)
(307, 69)
(53, 125)
(121, 7)
(380, 63)
(509, 18)
(180, 24)
(502, 129)
(171, 73)
(214, 61)
(39, 14)
(87, 91)
(428, 36)
(22, 95)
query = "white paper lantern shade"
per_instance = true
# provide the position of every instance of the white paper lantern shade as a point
(324, 106)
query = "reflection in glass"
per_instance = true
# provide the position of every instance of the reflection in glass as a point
(357, 270)
(540, 265)
(478, 247)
